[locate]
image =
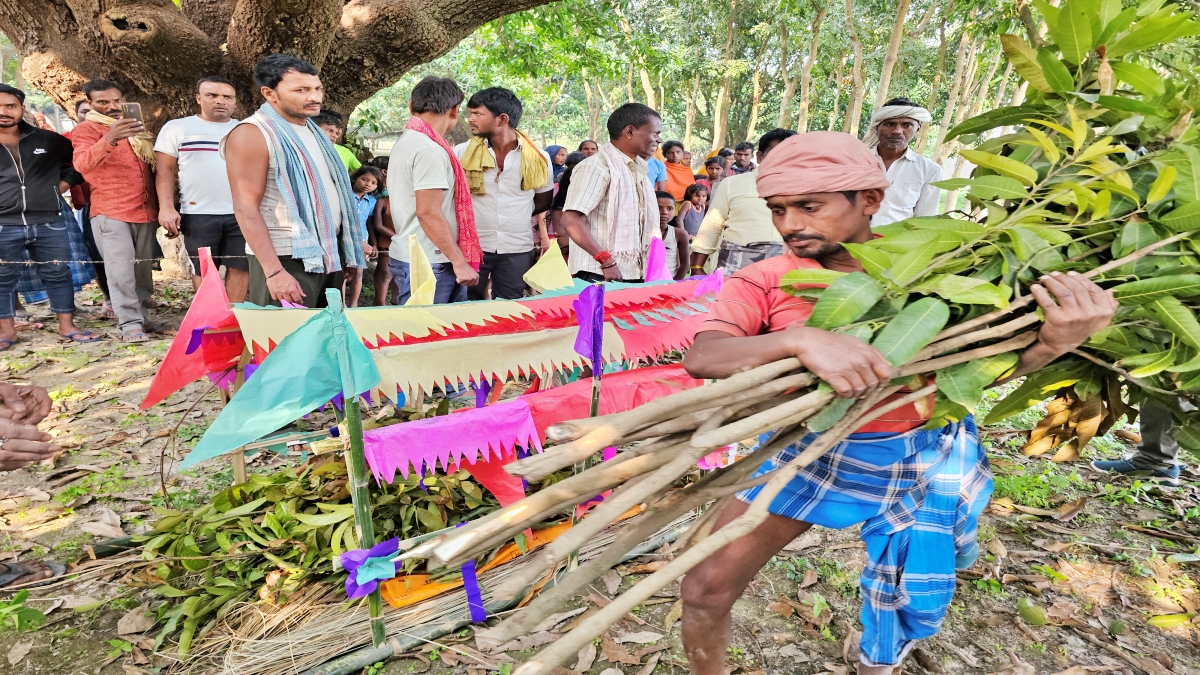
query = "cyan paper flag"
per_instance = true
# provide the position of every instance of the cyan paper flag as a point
(309, 367)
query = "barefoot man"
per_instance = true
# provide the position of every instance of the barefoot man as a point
(918, 493)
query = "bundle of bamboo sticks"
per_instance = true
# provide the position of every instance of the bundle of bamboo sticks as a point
(661, 443)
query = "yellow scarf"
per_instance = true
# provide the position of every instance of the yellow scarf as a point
(476, 159)
(142, 144)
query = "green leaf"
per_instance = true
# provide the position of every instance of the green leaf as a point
(244, 509)
(1003, 187)
(810, 277)
(875, 261)
(1169, 621)
(1109, 10)
(323, 519)
(1177, 318)
(965, 290)
(910, 330)
(1073, 31)
(1145, 290)
(1117, 24)
(1161, 186)
(1143, 79)
(1154, 364)
(910, 265)
(1183, 219)
(954, 183)
(964, 383)
(993, 119)
(907, 240)
(830, 415)
(1033, 614)
(1004, 166)
(1056, 73)
(1186, 161)
(964, 228)
(1036, 388)
(845, 301)
(1025, 59)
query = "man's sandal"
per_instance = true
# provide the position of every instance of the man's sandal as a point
(6, 345)
(81, 336)
(27, 575)
(134, 336)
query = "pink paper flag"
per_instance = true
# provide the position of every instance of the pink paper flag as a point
(209, 308)
(710, 284)
(656, 261)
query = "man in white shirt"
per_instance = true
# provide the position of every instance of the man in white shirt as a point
(189, 147)
(504, 169)
(422, 188)
(913, 192)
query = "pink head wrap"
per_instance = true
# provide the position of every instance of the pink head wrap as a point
(820, 161)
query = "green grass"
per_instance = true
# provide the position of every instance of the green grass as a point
(1041, 486)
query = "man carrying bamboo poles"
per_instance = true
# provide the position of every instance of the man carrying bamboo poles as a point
(917, 493)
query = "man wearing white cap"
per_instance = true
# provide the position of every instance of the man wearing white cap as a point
(892, 128)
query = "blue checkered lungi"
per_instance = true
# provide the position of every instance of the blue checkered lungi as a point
(29, 284)
(918, 496)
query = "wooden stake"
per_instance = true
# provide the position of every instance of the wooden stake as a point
(360, 496)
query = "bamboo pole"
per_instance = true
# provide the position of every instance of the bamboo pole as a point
(360, 496)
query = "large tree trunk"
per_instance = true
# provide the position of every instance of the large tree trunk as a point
(857, 93)
(593, 107)
(951, 99)
(789, 81)
(923, 134)
(756, 94)
(158, 50)
(806, 73)
(690, 115)
(838, 76)
(893, 52)
(721, 111)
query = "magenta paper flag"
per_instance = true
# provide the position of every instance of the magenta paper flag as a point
(710, 284)
(656, 260)
(474, 435)
(589, 309)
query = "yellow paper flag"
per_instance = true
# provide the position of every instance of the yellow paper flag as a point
(421, 281)
(549, 273)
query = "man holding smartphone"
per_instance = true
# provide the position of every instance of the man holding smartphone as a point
(116, 157)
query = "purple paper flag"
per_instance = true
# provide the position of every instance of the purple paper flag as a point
(589, 308)
(711, 283)
(656, 261)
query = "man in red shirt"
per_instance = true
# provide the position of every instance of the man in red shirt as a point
(116, 157)
(822, 189)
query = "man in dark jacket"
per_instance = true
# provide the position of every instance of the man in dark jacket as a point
(34, 171)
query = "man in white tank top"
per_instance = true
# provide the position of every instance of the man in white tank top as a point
(293, 89)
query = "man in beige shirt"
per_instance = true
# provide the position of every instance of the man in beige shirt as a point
(738, 222)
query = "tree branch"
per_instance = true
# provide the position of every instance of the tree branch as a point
(380, 40)
(210, 16)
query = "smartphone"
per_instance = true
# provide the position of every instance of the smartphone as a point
(132, 111)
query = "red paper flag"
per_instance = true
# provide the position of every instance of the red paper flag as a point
(210, 307)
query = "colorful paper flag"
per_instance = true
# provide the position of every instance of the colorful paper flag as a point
(550, 272)
(656, 261)
(421, 282)
(312, 365)
(589, 309)
(182, 365)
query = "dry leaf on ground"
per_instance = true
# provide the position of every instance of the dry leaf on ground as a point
(555, 619)
(673, 614)
(612, 671)
(615, 653)
(18, 652)
(648, 568)
(809, 539)
(781, 608)
(100, 529)
(810, 578)
(587, 656)
(612, 581)
(137, 620)
(650, 664)
(794, 652)
(530, 641)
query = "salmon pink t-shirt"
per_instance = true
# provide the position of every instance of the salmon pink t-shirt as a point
(752, 303)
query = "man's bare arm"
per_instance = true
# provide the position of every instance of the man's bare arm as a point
(849, 365)
(164, 185)
(247, 160)
(437, 229)
(575, 225)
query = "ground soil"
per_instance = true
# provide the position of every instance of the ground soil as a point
(1094, 574)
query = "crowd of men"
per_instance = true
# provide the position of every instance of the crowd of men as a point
(289, 213)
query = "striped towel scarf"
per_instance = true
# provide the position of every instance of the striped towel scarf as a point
(464, 211)
(632, 218)
(918, 496)
(315, 235)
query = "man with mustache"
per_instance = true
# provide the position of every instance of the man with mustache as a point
(912, 176)
(917, 492)
(190, 146)
(35, 167)
(291, 193)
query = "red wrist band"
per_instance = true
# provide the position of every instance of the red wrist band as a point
(602, 257)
